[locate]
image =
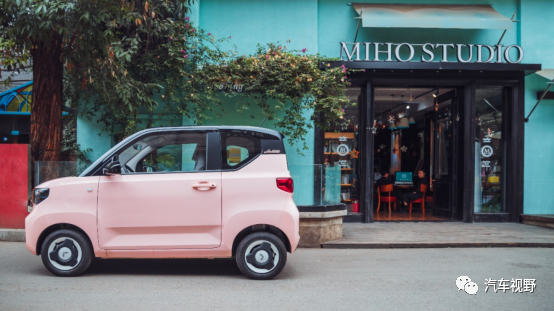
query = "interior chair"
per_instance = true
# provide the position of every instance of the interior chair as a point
(386, 197)
(421, 200)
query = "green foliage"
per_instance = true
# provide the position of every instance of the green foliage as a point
(127, 57)
(166, 159)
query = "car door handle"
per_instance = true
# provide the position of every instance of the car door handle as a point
(204, 185)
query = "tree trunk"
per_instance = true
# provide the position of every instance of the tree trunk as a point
(46, 109)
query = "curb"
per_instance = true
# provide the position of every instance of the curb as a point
(433, 245)
(12, 235)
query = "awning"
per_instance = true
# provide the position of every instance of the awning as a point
(547, 73)
(18, 101)
(458, 16)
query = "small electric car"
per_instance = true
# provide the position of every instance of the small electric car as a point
(173, 192)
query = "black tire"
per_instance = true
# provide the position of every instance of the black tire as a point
(260, 244)
(72, 245)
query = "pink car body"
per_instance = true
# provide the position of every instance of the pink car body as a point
(197, 214)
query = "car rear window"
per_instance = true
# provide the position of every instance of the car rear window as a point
(239, 148)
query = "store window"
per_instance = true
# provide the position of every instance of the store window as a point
(341, 157)
(489, 150)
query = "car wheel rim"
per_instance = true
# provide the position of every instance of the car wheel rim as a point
(261, 256)
(64, 253)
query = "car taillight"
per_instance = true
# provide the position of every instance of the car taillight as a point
(285, 184)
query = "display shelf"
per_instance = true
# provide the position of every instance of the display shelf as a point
(346, 185)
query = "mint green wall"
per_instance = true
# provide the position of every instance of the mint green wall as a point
(250, 22)
(90, 135)
(320, 25)
(537, 38)
(336, 23)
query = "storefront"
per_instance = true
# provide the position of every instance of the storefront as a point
(468, 74)
(462, 126)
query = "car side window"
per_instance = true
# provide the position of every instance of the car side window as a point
(238, 148)
(166, 152)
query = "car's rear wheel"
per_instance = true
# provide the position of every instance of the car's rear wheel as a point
(261, 256)
(66, 253)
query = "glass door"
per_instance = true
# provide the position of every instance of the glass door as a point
(442, 146)
(490, 103)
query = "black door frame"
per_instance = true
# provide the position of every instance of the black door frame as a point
(466, 81)
(452, 213)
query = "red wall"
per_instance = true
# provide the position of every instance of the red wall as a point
(15, 184)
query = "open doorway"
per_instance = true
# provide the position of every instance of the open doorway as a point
(414, 153)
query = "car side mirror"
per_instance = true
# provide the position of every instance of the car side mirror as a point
(114, 168)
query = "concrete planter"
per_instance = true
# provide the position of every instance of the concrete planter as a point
(320, 224)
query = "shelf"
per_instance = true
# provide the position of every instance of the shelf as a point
(335, 136)
(346, 185)
(346, 200)
(345, 169)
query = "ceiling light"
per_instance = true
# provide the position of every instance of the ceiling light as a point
(435, 93)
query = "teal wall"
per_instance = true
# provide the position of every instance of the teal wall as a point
(320, 25)
(537, 38)
(90, 135)
(336, 23)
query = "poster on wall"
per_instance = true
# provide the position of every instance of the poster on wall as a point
(396, 152)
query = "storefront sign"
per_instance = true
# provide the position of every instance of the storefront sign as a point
(385, 52)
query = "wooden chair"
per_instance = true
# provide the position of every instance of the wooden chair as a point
(385, 189)
(421, 200)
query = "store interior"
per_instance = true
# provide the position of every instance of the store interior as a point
(404, 123)
(413, 132)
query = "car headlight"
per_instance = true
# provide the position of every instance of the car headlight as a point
(40, 194)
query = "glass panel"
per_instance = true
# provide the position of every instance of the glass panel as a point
(444, 142)
(341, 164)
(167, 152)
(305, 177)
(489, 150)
(46, 170)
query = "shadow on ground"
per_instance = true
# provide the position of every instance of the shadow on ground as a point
(217, 267)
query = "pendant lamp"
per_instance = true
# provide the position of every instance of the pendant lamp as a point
(392, 126)
(403, 123)
(411, 120)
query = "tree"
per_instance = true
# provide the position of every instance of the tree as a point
(116, 58)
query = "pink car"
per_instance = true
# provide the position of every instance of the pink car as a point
(176, 192)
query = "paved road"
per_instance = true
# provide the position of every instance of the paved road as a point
(314, 279)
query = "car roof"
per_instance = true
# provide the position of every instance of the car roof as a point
(211, 128)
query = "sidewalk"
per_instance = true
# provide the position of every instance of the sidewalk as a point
(441, 235)
(12, 235)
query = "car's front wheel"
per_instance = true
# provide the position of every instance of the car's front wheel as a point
(261, 256)
(66, 252)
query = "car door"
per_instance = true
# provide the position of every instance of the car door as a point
(168, 195)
